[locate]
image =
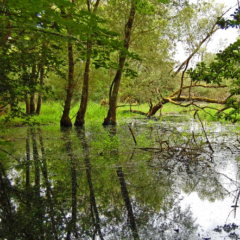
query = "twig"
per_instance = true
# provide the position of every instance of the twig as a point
(209, 144)
(132, 135)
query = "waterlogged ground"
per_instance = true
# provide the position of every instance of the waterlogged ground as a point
(178, 182)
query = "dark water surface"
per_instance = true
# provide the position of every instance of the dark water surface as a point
(95, 183)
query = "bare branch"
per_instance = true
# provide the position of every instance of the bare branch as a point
(213, 30)
(196, 85)
(197, 99)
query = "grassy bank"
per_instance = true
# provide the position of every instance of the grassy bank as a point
(51, 114)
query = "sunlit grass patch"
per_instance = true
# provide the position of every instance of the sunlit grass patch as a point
(51, 113)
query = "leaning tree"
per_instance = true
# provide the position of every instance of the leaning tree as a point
(224, 68)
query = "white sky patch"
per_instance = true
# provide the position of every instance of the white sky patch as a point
(221, 39)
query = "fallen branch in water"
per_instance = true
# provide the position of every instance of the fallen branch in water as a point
(209, 144)
(133, 135)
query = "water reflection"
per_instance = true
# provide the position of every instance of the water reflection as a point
(88, 184)
(93, 204)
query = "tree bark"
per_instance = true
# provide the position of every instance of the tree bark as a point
(154, 109)
(39, 103)
(32, 103)
(27, 104)
(80, 119)
(32, 94)
(111, 117)
(65, 120)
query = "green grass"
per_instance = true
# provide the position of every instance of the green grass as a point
(52, 111)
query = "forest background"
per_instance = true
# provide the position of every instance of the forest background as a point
(111, 52)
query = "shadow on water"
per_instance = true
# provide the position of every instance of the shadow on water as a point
(95, 183)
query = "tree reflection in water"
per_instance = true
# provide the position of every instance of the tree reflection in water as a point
(86, 186)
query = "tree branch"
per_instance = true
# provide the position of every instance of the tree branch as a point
(196, 85)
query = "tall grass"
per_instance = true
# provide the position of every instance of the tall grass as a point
(52, 111)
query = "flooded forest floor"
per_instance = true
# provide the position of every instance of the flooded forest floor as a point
(180, 180)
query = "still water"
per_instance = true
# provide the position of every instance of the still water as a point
(178, 182)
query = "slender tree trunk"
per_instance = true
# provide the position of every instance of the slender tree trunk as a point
(39, 103)
(32, 103)
(111, 117)
(80, 119)
(32, 94)
(84, 100)
(27, 104)
(65, 120)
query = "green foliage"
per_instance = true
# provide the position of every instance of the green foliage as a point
(37, 36)
(227, 23)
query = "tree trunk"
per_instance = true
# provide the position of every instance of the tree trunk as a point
(80, 119)
(32, 103)
(65, 120)
(111, 117)
(27, 104)
(39, 103)
(32, 94)
(154, 109)
(84, 100)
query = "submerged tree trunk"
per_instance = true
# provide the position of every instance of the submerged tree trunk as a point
(83, 106)
(111, 117)
(65, 120)
(80, 119)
